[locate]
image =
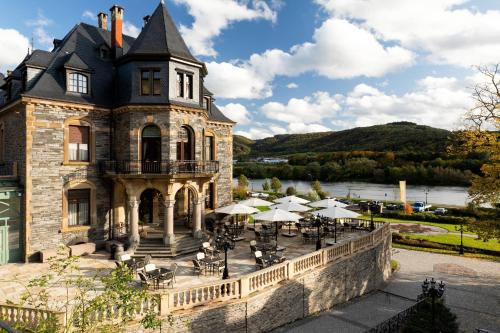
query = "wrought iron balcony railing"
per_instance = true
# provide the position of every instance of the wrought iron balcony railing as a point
(158, 167)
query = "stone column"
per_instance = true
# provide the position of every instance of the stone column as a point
(168, 224)
(134, 237)
(197, 233)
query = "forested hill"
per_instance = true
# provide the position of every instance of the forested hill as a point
(396, 137)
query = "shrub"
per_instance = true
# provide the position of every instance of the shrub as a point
(291, 191)
(421, 321)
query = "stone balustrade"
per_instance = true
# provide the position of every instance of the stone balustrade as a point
(14, 314)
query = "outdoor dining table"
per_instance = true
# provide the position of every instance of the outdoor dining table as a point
(271, 259)
(158, 274)
(265, 247)
(210, 263)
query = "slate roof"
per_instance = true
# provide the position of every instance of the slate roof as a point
(216, 115)
(80, 49)
(160, 36)
(39, 58)
(74, 61)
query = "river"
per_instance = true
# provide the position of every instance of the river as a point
(444, 195)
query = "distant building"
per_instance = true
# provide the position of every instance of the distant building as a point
(108, 131)
(269, 160)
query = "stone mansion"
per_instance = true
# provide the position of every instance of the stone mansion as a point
(107, 135)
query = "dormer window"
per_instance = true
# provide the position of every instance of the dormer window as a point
(180, 84)
(189, 86)
(78, 83)
(150, 82)
(206, 103)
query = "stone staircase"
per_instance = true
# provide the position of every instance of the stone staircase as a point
(153, 245)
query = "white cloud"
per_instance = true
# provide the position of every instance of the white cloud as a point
(211, 17)
(256, 133)
(292, 85)
(446, 29)
(229, 80)
(309, 110)
(13, 48)
(353, 52)
(236, 112)
(436, 101)
(130, 29)
(89, 15)
(42, 36)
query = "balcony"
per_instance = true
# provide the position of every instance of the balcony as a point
(175, 169)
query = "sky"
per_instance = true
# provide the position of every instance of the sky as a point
(299, 66)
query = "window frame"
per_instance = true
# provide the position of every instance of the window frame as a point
(78, 149)
(92, 214)
(79, 121)
(151, 81)
(79, 202)
(70, 80)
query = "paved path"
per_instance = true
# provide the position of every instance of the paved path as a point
(472, 292)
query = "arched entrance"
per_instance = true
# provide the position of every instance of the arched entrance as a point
(151, 208)
(184, 209)
(151, 149)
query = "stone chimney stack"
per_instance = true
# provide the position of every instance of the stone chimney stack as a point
(116, 30)
(102, 18)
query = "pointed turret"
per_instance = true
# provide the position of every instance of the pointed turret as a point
(160, 36)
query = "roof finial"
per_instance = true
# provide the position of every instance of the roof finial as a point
(162, 2)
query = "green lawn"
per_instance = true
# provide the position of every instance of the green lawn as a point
(455, 253)
(263, 208)
(451, 239)
(449, 227)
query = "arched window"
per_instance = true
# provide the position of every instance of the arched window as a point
(151, 144)
(78, 83)
(185, 146)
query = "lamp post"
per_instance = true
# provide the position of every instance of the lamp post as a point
(461, 229)
(429, 289)
(225, 243)
(426, 191)
(318, 225)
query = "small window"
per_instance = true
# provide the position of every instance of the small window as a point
(180, 85)
(150, 82)
(206, 103)
(78, 207)
(189, 86)
(79, 143)
(78, 83)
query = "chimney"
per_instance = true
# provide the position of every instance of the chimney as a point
(146, 19)
(116, 30)
(103, 20)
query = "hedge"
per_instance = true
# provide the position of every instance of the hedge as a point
(426, 217)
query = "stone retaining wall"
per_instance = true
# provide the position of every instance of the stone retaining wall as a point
(299, 297)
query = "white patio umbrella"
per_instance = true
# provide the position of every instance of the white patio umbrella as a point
(292, 198)
(325, 203)
(256, 202)
(336, 213)
(291, 207)
(236, 209)
(277, 215)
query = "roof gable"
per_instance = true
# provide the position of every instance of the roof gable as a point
(160, 36)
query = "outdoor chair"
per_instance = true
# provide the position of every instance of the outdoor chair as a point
(144, 280)
(200, 256)
(167, 279)
(261, 264)
(305, 237)
(173, 268)
(298, 226)
(139, 265)
(220, 267)
(147, 258)
(149, 268)
(274, 245)
(258, 236)
(253, 246)
(198, 268)
(125, 257)
(258, 254)
(118, 264)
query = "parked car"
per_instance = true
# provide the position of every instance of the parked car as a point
(440, 211)
(420, 206)
(393, 207)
